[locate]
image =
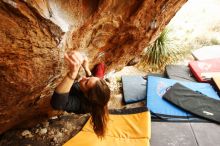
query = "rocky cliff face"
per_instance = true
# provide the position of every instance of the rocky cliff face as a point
(34, 34)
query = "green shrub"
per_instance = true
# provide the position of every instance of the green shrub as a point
(161, 51)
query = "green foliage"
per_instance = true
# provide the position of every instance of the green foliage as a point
(161, 51)
(214, 41)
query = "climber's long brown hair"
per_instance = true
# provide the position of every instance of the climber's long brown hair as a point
(98, 98)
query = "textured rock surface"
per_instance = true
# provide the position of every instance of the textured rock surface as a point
(31, 62)
(122, 29)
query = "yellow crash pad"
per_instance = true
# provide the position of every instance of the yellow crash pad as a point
(127, 129)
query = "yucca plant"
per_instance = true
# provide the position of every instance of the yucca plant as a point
(161, 51)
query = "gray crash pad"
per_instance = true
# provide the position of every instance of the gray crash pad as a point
(185, 134)
(207, 134)
(172, 134)
(134, 88)
(179, 72)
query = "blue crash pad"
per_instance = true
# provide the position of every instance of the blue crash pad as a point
(157, 87)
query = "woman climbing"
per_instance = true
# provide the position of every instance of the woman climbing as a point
(88, 95)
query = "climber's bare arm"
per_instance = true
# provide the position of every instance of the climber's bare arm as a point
(74, 60)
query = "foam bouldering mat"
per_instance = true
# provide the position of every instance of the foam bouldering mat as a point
(134, 88)
(179, 72)
(172, 134)
(207, 134)
(216, 83)
(128, 127)
(207, 52)
(204, 70)
(162, 109)
(194, 102)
